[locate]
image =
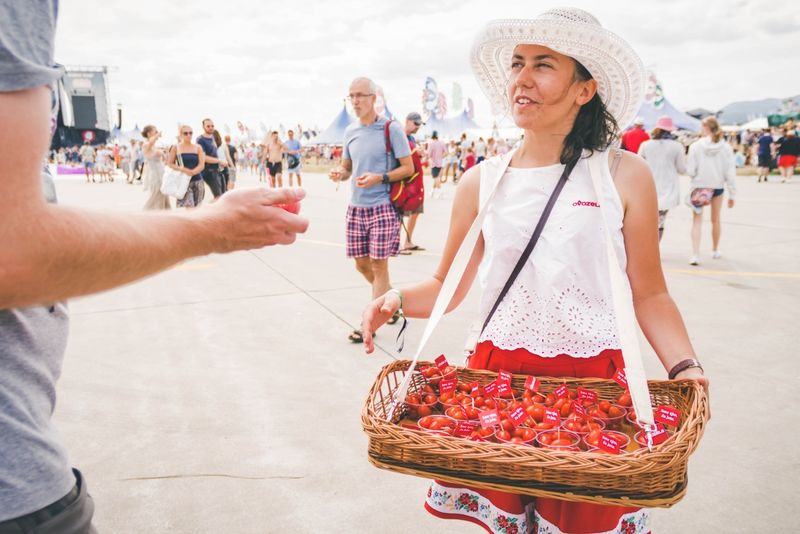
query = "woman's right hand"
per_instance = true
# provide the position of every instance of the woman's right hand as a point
(375, 314)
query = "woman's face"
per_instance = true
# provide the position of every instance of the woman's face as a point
(542, 88)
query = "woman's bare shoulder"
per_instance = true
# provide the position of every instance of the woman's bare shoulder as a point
(632, 176)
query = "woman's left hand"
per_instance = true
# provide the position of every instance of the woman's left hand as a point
(695, 373)
(731, 202)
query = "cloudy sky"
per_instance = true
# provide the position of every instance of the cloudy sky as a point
(291, 62)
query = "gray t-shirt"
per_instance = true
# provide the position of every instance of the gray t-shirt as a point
(34, 470)
(365, 146)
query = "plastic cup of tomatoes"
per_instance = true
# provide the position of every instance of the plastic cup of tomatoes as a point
(611, 414)
(520, 436)
(592, 439)
(582, 426)
(433, 375)
(437, 424)
(558, 440)
(456, 398)
(462, 413)
(421, 405)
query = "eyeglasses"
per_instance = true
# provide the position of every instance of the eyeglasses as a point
(186, 133)
(359, 96)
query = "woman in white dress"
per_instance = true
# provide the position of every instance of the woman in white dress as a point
(153, 170)
(558, 76)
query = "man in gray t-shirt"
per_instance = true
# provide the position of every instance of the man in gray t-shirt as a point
(66, 253)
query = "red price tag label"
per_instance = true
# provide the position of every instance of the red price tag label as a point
(669, 415)
(477, 389)
(518, 415)
(659, 436)
(580, 411)
(447, 385)
(561, 391)
(619, 378)
(465, 428)
(490, 389)
(552, 416)
(587, 394)
(532, 383)
(609, 444)
(504, 389)
(441, 362)
(489, 418)
(504, 376)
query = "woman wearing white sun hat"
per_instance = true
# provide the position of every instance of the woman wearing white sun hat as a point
(568, 83)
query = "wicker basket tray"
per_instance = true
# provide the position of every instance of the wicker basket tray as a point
(656, 478)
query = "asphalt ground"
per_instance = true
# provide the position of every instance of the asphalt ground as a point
(222, 395)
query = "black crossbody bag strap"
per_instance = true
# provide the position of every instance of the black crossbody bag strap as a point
(532, 243)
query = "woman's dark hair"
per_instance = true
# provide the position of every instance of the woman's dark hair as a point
(594, 129)
(217, 137)
(146, 130)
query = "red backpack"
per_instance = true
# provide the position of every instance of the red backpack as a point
(409, 193)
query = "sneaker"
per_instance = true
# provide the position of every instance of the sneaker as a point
(694, 261)
(716, 254)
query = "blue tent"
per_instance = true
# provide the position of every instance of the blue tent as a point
(650, 113)
(450, 128)
(334, 133)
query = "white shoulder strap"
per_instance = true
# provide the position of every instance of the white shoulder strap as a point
(492, 171)
(623, 306)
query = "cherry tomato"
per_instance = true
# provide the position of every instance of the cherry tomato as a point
(423, 411)
(604, 405)
(291, 207)
(625, 400)
(503, 435)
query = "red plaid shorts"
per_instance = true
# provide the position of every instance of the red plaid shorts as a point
(373, 232)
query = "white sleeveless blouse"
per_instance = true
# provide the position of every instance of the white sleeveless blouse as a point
(561, 301)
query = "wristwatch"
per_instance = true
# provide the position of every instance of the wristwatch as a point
(385, 178)
(682, 366)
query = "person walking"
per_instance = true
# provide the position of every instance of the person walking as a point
(765, 154)
(294, 162)
(188, 158)
(373, 227)
(563, 288)
(788, 148)
(71, 252)
(274, 155)
(711, 166)
(88, 155)
(665, 156)
(211, 171)
(233, 163)
(153, 172)
(413, 122)
(436, 153)
(635, 136)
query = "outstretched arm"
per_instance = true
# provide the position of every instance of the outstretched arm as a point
(418, 300)
(50, 252)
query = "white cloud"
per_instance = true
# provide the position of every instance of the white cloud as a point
(278, 62)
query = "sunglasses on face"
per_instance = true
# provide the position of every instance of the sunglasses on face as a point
(186, 133)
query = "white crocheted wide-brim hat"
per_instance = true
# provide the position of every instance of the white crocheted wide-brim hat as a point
(619, 71)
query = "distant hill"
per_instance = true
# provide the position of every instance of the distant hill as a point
(741, 112)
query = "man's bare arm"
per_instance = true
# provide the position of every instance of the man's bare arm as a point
(49, 252)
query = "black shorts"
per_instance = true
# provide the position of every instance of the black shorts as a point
(764, 160)
(717, 192)
(435, 171)
(275, 168)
